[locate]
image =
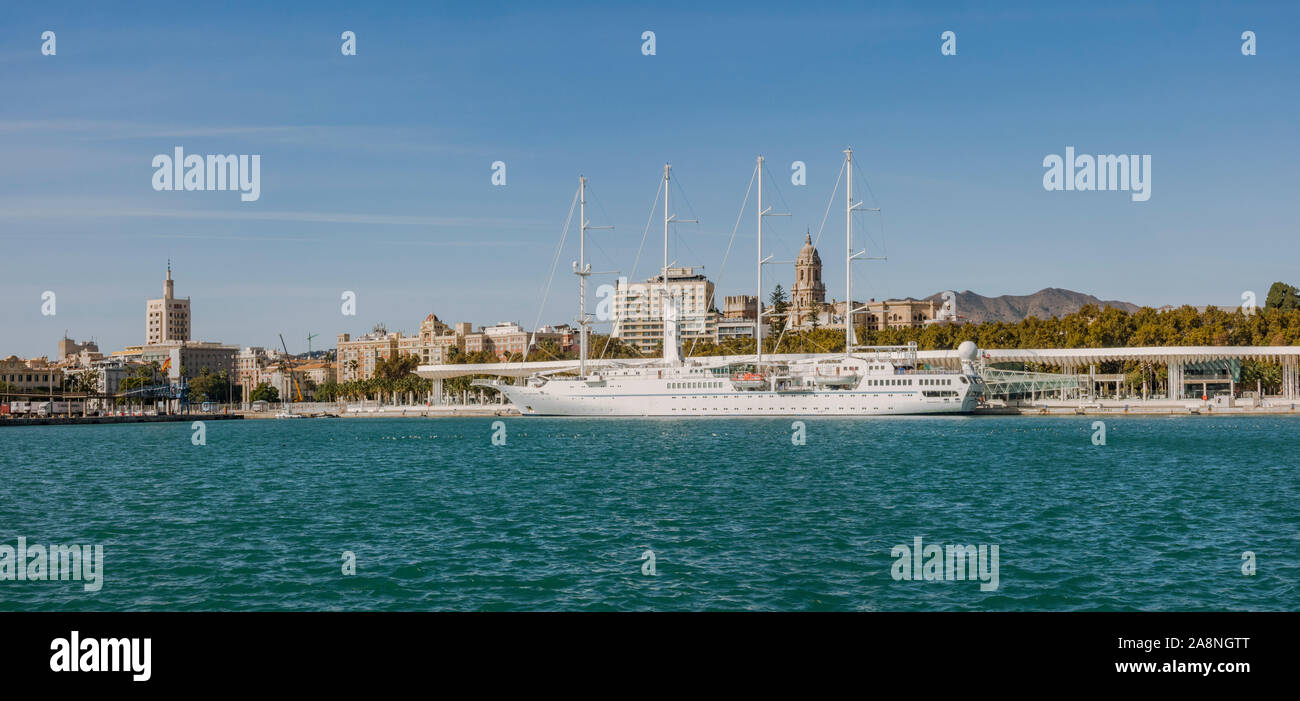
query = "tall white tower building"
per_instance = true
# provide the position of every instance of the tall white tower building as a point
(167, 319)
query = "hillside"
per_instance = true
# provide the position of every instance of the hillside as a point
(1044, 304)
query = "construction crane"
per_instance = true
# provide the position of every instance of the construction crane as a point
(288, 361)
(309, 338)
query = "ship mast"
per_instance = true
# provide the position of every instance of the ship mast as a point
(583, 271)
(849, 256)
(758, 317)
(671, 354)
(758, 303)
(848, 252)
(663, 274)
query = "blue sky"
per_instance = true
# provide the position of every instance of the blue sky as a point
(376, 167)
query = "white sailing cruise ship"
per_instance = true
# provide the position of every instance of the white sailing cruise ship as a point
(864, 381)
(860, 384)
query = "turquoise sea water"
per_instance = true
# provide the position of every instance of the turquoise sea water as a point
(736, 515)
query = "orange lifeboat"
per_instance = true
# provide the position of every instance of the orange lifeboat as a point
(748, 380)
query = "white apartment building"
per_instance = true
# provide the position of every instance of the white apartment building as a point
(638, 308)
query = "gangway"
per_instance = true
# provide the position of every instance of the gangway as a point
(1004, 384)
(179, 391)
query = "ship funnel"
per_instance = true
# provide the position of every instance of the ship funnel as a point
(672, 331)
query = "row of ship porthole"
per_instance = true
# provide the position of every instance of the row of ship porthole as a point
(694, 385)
(729, 396)
(908, 382)
(781, 408)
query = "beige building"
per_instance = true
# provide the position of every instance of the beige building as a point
(357, 357)
(433, 344)
(506, 338)
(84, 359)
(251, 364)
(288, 384)
(256, 365)
(475, 342)
(248, 362)
(740, 307)
(739, 313)
(565, 337)
(189, 358)
(889, 313)
(900, 313)
(501, 339)
(88, 350)
(638, 308)
(130, 354)
(316, 372)
(36, 375)
(167, 319)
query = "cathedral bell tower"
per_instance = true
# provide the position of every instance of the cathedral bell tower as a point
(809, 293)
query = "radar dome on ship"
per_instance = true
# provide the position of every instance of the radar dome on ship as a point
(968, 351)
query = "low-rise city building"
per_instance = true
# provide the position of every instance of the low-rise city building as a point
(190, 358)
(109, 375)
(738, 315)
(289, 384)
(728, 329)
(317, 372)
(433, 343)
(900, 313)
(564, 336)
(505, 338)
(34, 375)
(357, 356)
(85, 352)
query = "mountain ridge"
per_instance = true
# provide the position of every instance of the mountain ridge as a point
(1044, 304)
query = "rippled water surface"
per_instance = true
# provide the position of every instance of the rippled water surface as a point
(736, 515)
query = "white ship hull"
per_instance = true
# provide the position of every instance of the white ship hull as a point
(653, 397)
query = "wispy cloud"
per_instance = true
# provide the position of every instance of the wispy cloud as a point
(276, 216)
(349, 137)
(470, 243)
(128, 130)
